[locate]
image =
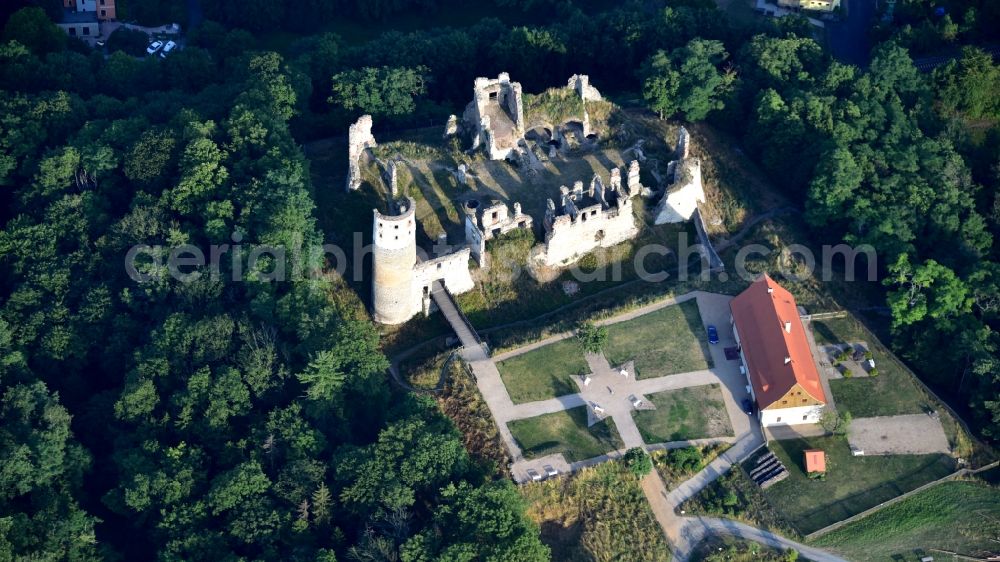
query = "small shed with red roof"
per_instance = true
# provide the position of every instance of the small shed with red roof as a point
(815, 460)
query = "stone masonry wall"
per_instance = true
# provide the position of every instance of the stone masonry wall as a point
(359, 137)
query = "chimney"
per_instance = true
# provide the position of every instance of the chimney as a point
(788, 327)
(788, 360)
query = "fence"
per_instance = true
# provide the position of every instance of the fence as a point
(825, 315)
(715, 263)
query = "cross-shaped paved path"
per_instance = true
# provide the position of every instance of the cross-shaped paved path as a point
(611, 392)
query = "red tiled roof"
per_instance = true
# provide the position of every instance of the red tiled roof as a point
(776, 358)
(815, 460)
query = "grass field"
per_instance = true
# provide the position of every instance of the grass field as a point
(546, 372)
(597, 514)
(852, 484)
(695, 412)
(962, 517)
(565, 432)
(665, 342)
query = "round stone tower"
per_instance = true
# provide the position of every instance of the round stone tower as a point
(394, 237)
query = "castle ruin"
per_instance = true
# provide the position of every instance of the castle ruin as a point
(680, 198)
(359, 138)
(585, 218)
(402, 285)
(482, 224)
(496, 116)
(599, 217)
(581, 83)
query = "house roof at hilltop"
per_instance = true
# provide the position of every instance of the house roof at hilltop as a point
(774, 343)
(71, 16)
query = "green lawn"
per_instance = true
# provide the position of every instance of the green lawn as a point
(852, 485)
(695, 412)
(666, 342)
(565, 432)
(546, 372)
(962, 517)
(893, 392)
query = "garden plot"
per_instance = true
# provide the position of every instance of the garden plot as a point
(848, 360)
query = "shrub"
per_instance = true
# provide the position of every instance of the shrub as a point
(129, 41)
(873, 372)
(593, 337)
(638, 462)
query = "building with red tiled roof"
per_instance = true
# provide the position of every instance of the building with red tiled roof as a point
(784, 381)
(815, 460)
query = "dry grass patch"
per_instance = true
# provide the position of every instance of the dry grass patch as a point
(597, 514)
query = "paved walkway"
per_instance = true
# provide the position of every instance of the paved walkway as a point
(697, 529)
(611, 392)
(824, 374)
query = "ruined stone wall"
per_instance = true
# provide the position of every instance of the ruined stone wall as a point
(496, 115)
(475, 240)
(487, 223)
(601, 217)
(581, 83)
(359, 137)
(683, 144)
(451, 269)
(395, 253)
(593, 227)
(681, 199)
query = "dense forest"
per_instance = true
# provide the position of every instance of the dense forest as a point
(212, 419)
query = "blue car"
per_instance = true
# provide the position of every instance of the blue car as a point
(713, 335)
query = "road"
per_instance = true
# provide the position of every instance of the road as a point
(697, 528)
(849, 39)
(194, 14)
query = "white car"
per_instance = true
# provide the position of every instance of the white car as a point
(153, 47)
(170, 46)
(549, 470)
(636, 401)
(534, 475)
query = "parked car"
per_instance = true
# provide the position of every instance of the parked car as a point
(550, 471)
(636, 401)
(534, 475)
(713, 335)
(170, 46)
(747, 406)
(153, 47)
